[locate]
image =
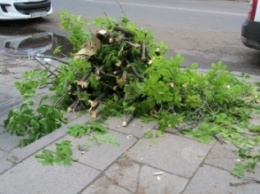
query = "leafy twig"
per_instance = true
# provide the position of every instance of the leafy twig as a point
(46, 68)
(122, 10)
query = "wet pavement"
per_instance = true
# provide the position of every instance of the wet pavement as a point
(167, 165)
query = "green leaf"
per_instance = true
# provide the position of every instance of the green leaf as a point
(79, 130)
(63, 154)
(46, 157)
(149, 134)
(238, 170)
(254, 128)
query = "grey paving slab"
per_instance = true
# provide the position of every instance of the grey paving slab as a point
(105, 186)
(10, 91)
(19, 70)
(5, 165)
(255, 174)
(144, 179)
(125, 173)
(20, 154)
(224, 156)
(3, 116)
(2, 154)
(174, 154)
(3, 98)
(6, 106)
(99, 157)
(135, 127)
(1, 129)
(31, 177)
(9, 142)
(211, 180)
(3, 70)
(165, 183)
(5, 79)
(255, 120)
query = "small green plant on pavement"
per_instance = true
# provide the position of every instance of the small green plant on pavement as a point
(96, 134)
(63, 155)
(33, 123)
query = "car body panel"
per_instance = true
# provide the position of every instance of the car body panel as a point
(250, 34)
(257, 14)
(24, 9)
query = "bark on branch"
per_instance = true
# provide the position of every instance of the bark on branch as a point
(124, 31)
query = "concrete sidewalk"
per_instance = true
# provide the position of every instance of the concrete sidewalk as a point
(168, 165)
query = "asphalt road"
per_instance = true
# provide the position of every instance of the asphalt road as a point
(203, 31)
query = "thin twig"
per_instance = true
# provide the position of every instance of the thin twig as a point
(55, 68)
(77, 102)
(141, 78)
(59, 99)
(43, 86)
(248, 181)
(122, 10)
(102, 96)
(170, 71)
(86, 76)
(106, 85)
(47, 69)
(51, 57)
(108, 75)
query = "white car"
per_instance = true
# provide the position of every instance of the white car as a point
(24, 9)
(251, 27)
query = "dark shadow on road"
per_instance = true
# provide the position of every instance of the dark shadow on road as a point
(23, 37)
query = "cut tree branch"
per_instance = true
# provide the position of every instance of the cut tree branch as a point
(73, 106)
(143, 50)
(95, 103)
(127, 120)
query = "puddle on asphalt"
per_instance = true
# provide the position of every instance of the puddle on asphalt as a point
(27, 42)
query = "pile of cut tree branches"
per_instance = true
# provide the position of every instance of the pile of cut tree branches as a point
(122, 70)
(109, 66)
